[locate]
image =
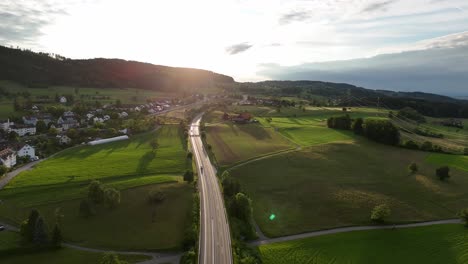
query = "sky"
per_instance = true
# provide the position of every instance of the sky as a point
(386, 44)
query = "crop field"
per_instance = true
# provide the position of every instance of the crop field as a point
(130, 166)
(338, 184)
(429, 245)
(11, 253)
(133, 157)
(232, 143)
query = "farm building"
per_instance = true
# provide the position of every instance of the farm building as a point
(107, 140)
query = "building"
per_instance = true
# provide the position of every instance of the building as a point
(5, 124)
(63, 100)
(23, 130)
(242, 118)
(64, 140)
(68, 122)
(26, 151)
(47, 118)
(30, 120)
(8, 157)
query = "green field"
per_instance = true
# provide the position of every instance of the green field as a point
(11, 253)
(457, 161)
(431, 245)
(130, 166)
(338, 184)
(233, 143)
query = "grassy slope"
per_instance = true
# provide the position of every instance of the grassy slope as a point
(12, 254)
(338, 185)
(430, 245)
(460, 162)
(124, 165)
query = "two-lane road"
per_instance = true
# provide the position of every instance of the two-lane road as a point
(215, 237)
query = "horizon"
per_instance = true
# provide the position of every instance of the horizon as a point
(260, 40)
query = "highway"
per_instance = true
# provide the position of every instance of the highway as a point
(215, 237)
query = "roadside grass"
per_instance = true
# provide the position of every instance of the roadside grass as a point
(130, 166)
(232, 143)
(430, 245)
(12, 253)
(338, 184)
(133, 157)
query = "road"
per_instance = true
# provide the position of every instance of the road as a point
(215, 237)
(350, 229)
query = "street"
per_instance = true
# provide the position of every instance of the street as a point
(215, 238)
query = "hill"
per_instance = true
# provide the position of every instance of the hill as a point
(44, 69)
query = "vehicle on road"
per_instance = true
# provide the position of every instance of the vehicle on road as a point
(201, 169)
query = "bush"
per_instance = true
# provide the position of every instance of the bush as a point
(410, 144)
(463, 214)
(340, 122)
(156, 197)
(427, 146)
(86, 209)
(357, 126)
(3, 170)
(96, 192)
(413, 167)
(380, 212)
(111, 258)
(188, 176)
(56, 237)
(443, 173)
(111, 197)
(382, 131)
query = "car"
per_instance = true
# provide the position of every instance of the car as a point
(2, 228)
(201, 169)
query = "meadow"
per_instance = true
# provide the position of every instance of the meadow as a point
(338, 184)
(430, 245)
(11, 253)
(59, 183)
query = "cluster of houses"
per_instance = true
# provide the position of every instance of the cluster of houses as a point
(242, 118)
(10, 152)
(453, 123)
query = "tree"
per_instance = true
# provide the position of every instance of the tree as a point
(111, 197)
(411, 144)
(466, 152)
(57, 236)
(413, 167)
(188, 176)
(243, 207)
(13, 136)
(357, 126)
(156, 197)
(118, 103)
(189, 155)
(3, 170)
(86, 209)
(41, 127)
(32, 219)
(111, 258)
(443, 173)
(40, 232)
(380, 212)
(427, 146)
(154, 144)
(96, 192)
(231, 186)
(463, 214)
(382, 131)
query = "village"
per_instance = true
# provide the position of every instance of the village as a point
(47, 130)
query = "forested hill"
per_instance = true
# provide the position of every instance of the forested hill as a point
(347, 94)
(43, 70)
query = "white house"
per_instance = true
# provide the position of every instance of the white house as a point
(123, 115)
(30, 120)
(106, 117)
(98, 120)
(5, 124)
(63, 100)
(89, 116)
(25, 151)
(64, 140)
(23, 130)
(68, 114)
(8, 157)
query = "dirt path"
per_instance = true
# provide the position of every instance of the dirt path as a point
(350, 229)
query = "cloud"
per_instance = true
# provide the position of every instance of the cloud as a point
(435, 70)
(294, 16)
(238, 48)
(381, 6)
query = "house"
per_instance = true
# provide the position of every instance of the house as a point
(64, 140)
(98, 120)
(63, 100)
(68, 114)
(5, 124)
(26, 151)
(30, 120)
(47, 118)
(242, 118)
(106, 117)
(123, 115)
(23, 130)
(8, 157)
(89, 116)
(68, 122)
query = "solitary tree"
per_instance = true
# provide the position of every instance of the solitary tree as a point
(380, 212)
(40, 232)
(443, 173)
(188, 176)
(413, 167)
(96, 192)
(156, 197)
(56, 236)
(31, 225)
(111, 197)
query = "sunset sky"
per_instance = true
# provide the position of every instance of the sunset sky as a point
(247, 39)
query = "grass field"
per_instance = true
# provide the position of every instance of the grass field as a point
(232, 143)
(431, 245)
(130, 166)
(457, 161)
(338, 184)
(11, 253)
